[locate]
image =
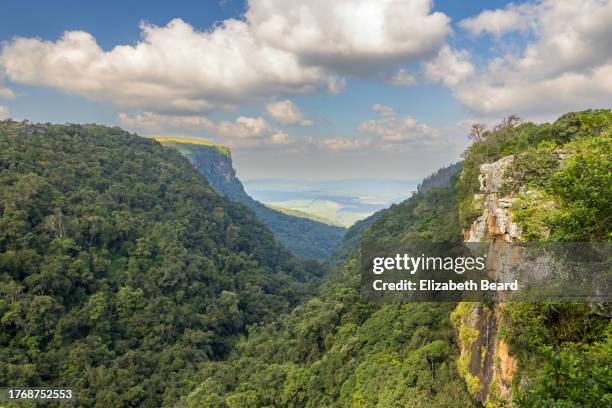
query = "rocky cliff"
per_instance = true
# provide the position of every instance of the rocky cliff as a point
(485, 362)
(306, 238)
(495, 223)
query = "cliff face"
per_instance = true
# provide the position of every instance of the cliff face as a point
(485, 362)
(308, 239)
(218, 168)
(495, 222)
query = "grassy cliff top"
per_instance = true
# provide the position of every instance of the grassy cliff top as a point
(189, 141)
(304, 214)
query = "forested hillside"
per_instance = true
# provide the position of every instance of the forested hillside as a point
(555, 183)
(352, 238)
(337, 351)
(121, 271)
(440, 178)
(126, 277)
(306, 238)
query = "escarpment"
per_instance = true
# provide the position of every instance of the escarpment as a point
(306, 238)
(495, 223)
(485, 362)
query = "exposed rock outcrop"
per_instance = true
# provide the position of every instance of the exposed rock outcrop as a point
(306, 238)
(495, 221)
(490, 367)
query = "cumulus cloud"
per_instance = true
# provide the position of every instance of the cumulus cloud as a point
(280, 138)
(515, 17)
(402, 78)
(242, 132)
(243, 127)
(393, 129)
(276, 49)
(4, 112)
(383, 110)
(173, 68)
(449, 67)
(287, 113)
(566, 65)
(343, 144)
(354, 37)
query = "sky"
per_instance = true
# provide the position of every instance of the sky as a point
(314, 89)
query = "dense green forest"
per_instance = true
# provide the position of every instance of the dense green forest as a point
(124, 275)
(307, 238)
(335, 350)
(561, 183)
(121, 271)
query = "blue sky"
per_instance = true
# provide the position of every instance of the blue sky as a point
(304, 111)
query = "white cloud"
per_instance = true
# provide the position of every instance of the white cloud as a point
(351, 36)
(383, 110)
(336, 85)
(5, 92)
(173, 68)
(342, 144)
(281, 138)
(287, 113)
(515, 17)
(277, 49)
(392, 129)
(243, 132)
(567, 65)
(402, 78)
(449, 67)
(4, 112)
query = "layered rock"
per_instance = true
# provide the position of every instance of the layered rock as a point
(490, 367)
(495, 221)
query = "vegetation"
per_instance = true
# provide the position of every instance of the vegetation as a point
(460, 318)
(561, 178)
(303, 214)
(350, 242)
(512, 137)
(336, 350)
(569, 202)
(124, 275)
(306, 237)
(440, 178)
(121, 271)
(182, 144)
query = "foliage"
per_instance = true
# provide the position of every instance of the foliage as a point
(121, 270)
(572, 378)
(583, 189)
(184, 145)
(530, 168)
(306, 238)
(510, 138)
(461, 319)
(441, 178)
(336, 350)
(562, 183)
(351, 240)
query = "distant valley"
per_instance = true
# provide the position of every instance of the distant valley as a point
(307, 236)
(341, 201)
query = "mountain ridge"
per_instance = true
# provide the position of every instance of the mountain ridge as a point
(306, 238)
(121, 270)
